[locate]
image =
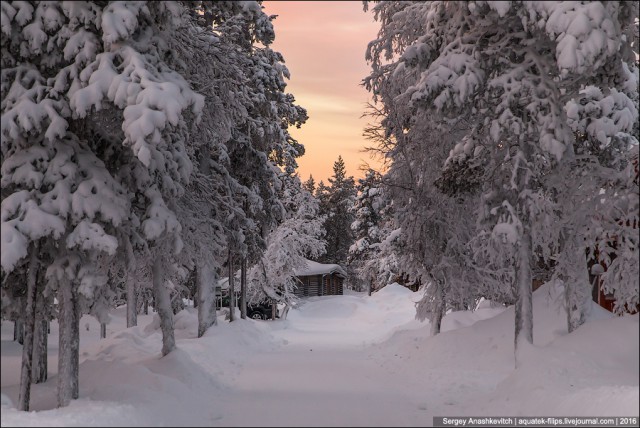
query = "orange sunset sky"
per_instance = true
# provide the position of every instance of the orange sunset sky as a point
(324, 44)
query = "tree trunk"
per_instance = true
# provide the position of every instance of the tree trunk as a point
(274, 308)
(369, 287)
(205, 281)
(103, 330)
(29, 327)
(69, 330)
(577, 288)
(40, 353)
(18, 331)
(438, 310)
(285, 311)
(145, 305)
(232, 294)
(75, 348)
(194, 296)
(132, 303)
(243, 288)
(162, 299)
(524, 301)
(41, 339)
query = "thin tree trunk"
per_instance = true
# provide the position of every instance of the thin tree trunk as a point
(103, 330)
(194, 296)
(243, 288)
(577, 287)
(29, 327)
(232, 294)
(285, 311)
(439, 309)
(205, 281)
(369, 287)
(132, 302)
(274, 308)
(18, 331)
(41, 339)
(145, 304)
(69, 332)
(162, 301)
(75, 348)
(524, 298)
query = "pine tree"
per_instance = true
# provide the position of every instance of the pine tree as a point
(71, 73)
(310, 185)
(366, 227)
(336, 205)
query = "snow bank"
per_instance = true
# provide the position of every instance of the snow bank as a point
(590, 372)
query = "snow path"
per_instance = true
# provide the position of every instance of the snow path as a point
(325, 388)
(328, 372)
(337, 387)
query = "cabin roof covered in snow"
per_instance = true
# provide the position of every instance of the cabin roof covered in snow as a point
(315, 268)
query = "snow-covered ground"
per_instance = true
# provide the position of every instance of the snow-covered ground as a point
(346, 360)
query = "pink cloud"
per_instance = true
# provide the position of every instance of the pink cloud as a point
(324, 44)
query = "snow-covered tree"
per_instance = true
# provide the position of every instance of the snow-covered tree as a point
(369, 212)
(600, 198)
(68, 69)
(57, 195)
(258, 143)
(508, 70)
(336, 206)
(310, 185)
(288, 246)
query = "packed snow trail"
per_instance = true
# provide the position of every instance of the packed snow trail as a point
(300, 386)
(318, 388)
(326, 373)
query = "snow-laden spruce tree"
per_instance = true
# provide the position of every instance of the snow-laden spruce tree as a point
(83, 83)
(336, 206)
(310, 185)
(259, 148)
(215, 67)
(141, 63)
(372, 216)
(259, 141)
(508, 69)
(289, 245)
(59, 202)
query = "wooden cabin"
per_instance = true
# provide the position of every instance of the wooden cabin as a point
(320, 279)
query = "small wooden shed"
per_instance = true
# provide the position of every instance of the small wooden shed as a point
(320, 279)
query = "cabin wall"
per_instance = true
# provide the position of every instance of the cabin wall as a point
(332, 285)
(314, 285)
(319, 285)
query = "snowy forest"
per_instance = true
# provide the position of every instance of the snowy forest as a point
(146, 154)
